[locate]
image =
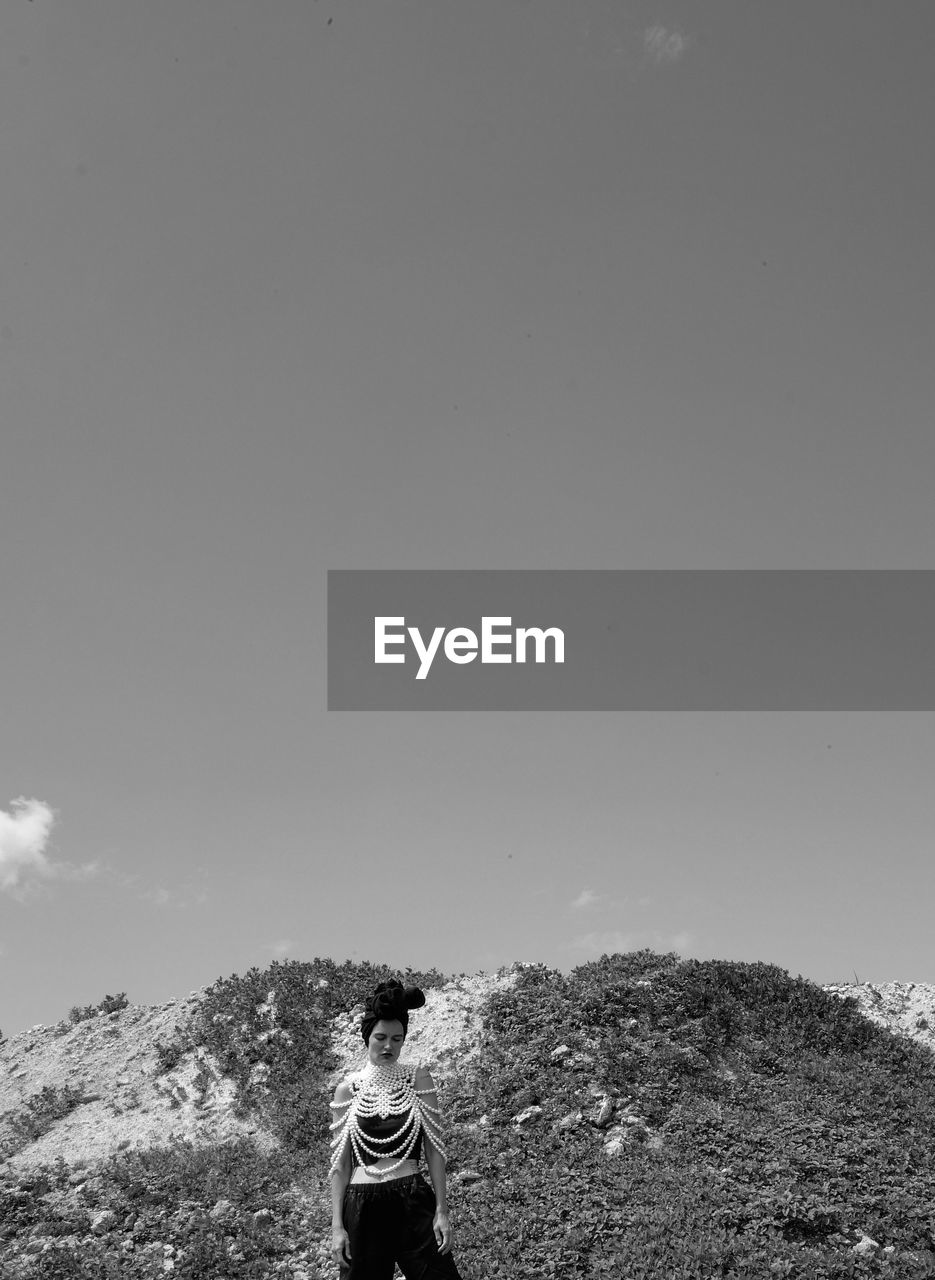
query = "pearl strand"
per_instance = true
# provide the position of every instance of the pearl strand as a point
(384, 1092)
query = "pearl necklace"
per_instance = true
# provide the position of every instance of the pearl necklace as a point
(382, 1092)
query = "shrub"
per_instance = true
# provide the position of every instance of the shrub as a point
(777, 1125)
(279, 1019)
(110, 1004)
(41, 1111)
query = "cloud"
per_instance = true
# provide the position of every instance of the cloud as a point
(24, 838)
(613, 941)
(662, 45)
(24, 841)
(587, 898)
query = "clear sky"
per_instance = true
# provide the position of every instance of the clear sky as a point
(310, 284)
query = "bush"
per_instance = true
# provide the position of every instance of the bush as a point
(771, 1125)
(41, 1112)
(781, 1123)
(279, 1020)
(110, 1004)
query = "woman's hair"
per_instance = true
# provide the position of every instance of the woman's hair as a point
(390, 1002)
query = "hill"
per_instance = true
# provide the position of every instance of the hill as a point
(641, 1117)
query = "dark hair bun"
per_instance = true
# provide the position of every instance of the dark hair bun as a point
(391, 1001)
(391, 998)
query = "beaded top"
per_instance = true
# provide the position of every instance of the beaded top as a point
(385, 1116)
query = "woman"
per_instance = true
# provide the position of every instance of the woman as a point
(383, 1210)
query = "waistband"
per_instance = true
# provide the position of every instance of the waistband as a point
(392, 1186)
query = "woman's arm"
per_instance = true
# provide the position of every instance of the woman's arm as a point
(434, 1156)
(340, 1177)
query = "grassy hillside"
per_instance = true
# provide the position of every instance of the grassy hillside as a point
(641, 1117)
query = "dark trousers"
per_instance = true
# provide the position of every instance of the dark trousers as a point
(391, 1222)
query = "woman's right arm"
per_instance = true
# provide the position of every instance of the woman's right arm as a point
(340, 1177)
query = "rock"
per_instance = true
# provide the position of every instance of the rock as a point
(616, 1141)
(221, 1209)
(560, 1051)
(262, 1218)
(603, 1113)
(866, 1244)
(528, 1115)
(103, 1222)
(571, 1121)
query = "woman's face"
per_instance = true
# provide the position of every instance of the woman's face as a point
(386, 1040)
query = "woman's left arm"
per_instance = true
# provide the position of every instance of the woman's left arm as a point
(434, 1156)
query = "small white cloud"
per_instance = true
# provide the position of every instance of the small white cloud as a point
(587, 898)
(662, 45)
(24, 838)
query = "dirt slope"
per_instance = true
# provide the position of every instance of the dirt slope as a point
(113, 1061)
(127, 1102)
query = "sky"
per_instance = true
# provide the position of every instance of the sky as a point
(307, 285)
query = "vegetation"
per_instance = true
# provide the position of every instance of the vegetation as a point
(110, 1004)
(677, 1119)
(269, 1031)
(40, 1112)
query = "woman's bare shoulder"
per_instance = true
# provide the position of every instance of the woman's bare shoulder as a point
(344, 1092)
